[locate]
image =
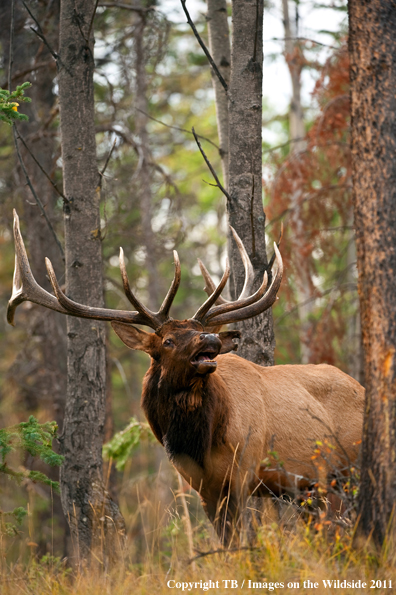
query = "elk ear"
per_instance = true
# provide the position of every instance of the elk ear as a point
(134, 338)
(226, 339)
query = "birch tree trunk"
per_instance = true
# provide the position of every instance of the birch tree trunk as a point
(372, 45)
(219, 45)
(304, 285)
(94, 519)
(245, 209)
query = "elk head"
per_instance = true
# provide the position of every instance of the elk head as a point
(185, 349)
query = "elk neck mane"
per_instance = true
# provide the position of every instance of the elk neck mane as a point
(188, 421)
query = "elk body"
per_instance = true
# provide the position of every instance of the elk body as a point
(216, 414)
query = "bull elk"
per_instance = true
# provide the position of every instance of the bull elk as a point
(216, 414)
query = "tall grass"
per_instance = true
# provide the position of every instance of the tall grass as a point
(165, 523)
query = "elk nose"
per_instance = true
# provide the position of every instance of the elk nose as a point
(211, 336)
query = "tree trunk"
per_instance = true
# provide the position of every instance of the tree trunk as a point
(294, 63)
(245, 209)
(39, 370)
(219, 45)
(145, 174)
(372, 45)
(303, 281)
(85, 501)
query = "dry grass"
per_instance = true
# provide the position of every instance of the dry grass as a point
(159, 550)
(281, 557)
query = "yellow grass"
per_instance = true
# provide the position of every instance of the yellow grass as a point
(160, 537)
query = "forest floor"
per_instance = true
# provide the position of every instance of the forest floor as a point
(291, 556)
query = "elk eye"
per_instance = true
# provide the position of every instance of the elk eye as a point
(168, 343)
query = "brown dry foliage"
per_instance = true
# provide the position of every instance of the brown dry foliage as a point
(320, 175)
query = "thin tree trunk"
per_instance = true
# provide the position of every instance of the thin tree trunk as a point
(85, 502)
(372, 45)
(39, 370)
(220, 49)
(46, 329)
(304, 285)
(145, 173)
(293, 61)
(245, 209)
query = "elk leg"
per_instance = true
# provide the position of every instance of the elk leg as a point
(224, 515)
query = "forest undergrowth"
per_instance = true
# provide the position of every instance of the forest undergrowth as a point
(167, 551)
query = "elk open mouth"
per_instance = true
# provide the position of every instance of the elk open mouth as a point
(205, 356)
(207, 348)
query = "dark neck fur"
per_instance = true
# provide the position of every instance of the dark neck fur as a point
(189, 421)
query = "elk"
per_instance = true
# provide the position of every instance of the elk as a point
(216, 414)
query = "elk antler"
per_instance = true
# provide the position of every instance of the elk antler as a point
(249, 307)
(200, 314)
(245, 306)
(26, 288)
(162, 315)
(249, 273)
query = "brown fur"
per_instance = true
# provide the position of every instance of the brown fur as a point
(219, 426)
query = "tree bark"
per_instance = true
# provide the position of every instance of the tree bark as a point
(294, 63)
(39, 370)
(220, 49)
(45, 341)
(85, 501)
(245, 209)
(145, 174)
(303, 281)
(372, 45)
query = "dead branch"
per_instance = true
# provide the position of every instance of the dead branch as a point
(203, 46)
(127, 7)
(40, 35)
(101, 173)
(19, 137)
(218, 183)
(36, 198)
(178, 128)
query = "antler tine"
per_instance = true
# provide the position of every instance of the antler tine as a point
(249, 272)
(73, 308)
(258, 307)
(200, 314)
(82, 311)
(170, 296)
(271, 262)
(152, 319)
(240, 303)
(210, 285)
(24, 286)
(244, 299)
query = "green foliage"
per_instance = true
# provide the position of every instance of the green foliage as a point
(124, 443)
(33, 437)
(9, 103)
(36, 439)
(17, 515)
(49, 568)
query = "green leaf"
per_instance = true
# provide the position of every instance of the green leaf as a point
(9, 103)
(124, 443)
